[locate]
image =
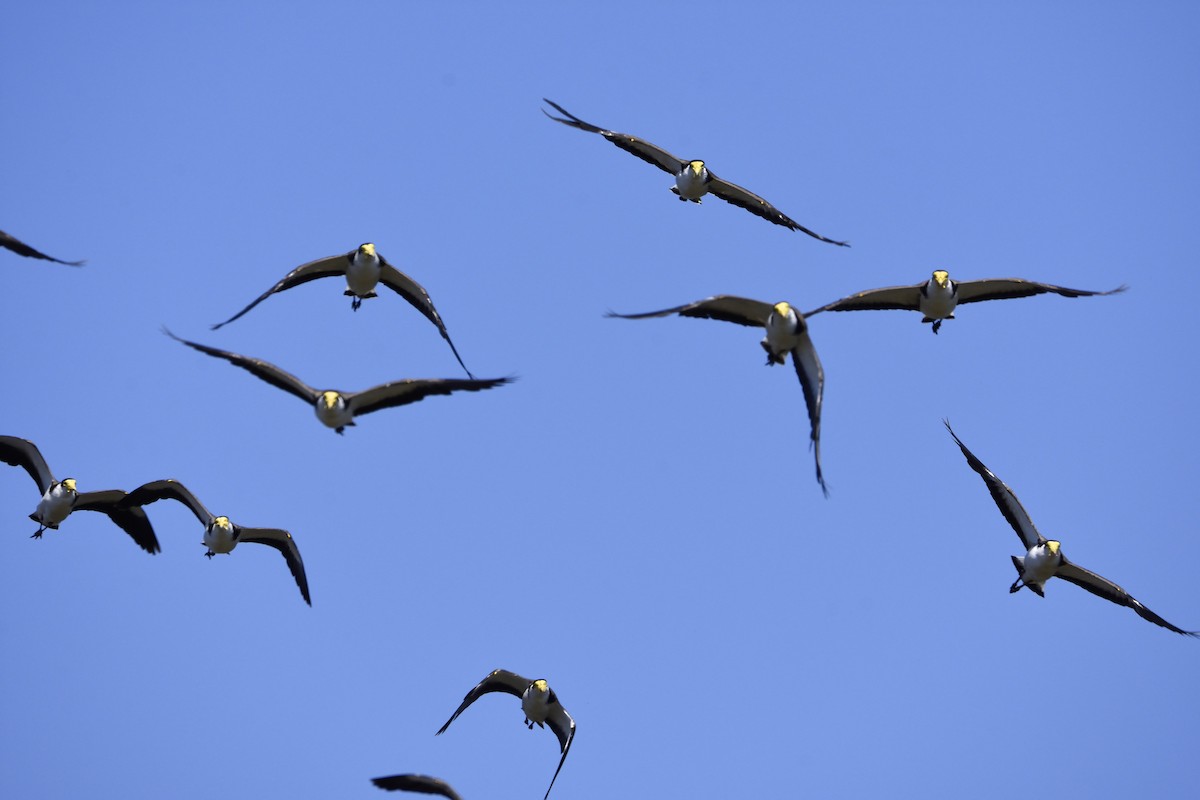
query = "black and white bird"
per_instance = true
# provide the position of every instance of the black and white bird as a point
(937, 298)
(416, 783)
(338, 409)
(61, 498)
(538, 701)
(22, 249)
(693, 179)
(786, 332)
(1044, 558)
(221, 535)
(364, 269)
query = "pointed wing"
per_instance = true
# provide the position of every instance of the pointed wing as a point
(725, 307)
(564, 728)
(22, 249)
(416, 295)
(647, 152)
(24, 454)
(1103, 587)
(283, 542)
(321, 268)
(732, 193)
(416, 783)
(499, 680)
(1008, 288)
(812, 381)
(168, 489)
(264, 370)
(891, 297)
(1006, 501)
(412, 390)
(132, 519)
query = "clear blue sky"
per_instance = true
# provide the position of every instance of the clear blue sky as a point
(636, 518)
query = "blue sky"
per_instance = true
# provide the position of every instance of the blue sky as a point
(636, 518)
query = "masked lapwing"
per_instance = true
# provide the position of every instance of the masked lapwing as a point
(937, 298)
(538, 701)
(1044, 558)
(338, 409)
(364, 269)
(786, 333)
(693, 179)
(416, 783)
(22, 249)
(221, 535)
(61, 498)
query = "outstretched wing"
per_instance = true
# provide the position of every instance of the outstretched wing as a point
(22, 249)
(1103, 587)
(24, 454)
(416, 783)
(732, 193)
(812, 381)
(131, 519)
(1005, 499)
(416, 295)
(725, 307)
(564, 728)
(283, 542)
(412, 390)
(168, 489)
(264, 370)
(891, 297)
(321, 268)
(1008, 288)
(651, 154)
(499, 680)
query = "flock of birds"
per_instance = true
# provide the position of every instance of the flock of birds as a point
(786, 333)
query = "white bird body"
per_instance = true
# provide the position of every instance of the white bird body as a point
(362, 274)
(939, 298)
(1040, 563)
(535, 702)
(219, 536)
(332, 410)
(692, 181)
(56, 504)
(781, 329)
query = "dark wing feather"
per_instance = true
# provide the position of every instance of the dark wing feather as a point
(732, 193)
(168, 489)
(131, 519)
(891, 297)
(321, 268)
(1103, 587)
(812, 381)
(282, 541)
(499, 680)
(412, 390)
(1008, 288)
(416, 783)
(416, 295)
(724, 307)
(24, 454)
(22, 249)
(263, 370)
(651, 154)
(564, 728)
(1005, 499)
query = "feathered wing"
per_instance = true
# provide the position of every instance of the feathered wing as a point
(564, 728)
(321, 268)
(282, 541)
(1008, 288)
(1005, 499)
(168, 489)
(22, 249)
(812, 381)
(744, 198)
(891, 297)
(724, 307)
(131, 519)
(23, 453)
(651, 154)
(1103, 587)
(416, 783)
(264, 370)
(412, 390)
(419, 299)
(499, 680)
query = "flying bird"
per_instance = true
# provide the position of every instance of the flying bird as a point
(937, 298)
(1044, 558)
(539, 703)
(338, 409)
(22, 249)
(786, 332)
(692, 178)
(364, 269)
(416, 783)
(60, 498)
(221, 535)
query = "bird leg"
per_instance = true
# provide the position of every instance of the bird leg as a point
(38, 533)
(355, 303)
(209, 554)
(772, 358)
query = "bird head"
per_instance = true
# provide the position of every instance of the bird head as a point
(540, 686)
(941, 278)
(367, 249)
(69, 485)
(223, 523)
(1053, 547)
(697, 167)
(330, 399)
(783, 308)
